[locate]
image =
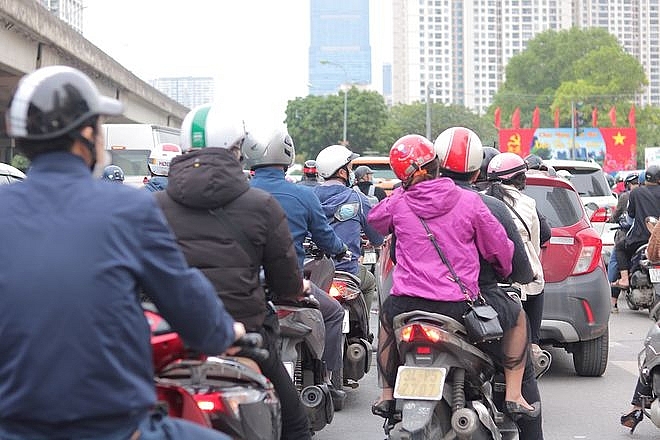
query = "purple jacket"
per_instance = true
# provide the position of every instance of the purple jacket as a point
(463, 227)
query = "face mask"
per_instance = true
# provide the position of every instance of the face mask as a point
(351, 178)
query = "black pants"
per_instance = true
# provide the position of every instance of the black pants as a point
(624, 253)
(295, 424)
(533, 306)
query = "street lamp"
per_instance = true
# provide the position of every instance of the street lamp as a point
(332, 63)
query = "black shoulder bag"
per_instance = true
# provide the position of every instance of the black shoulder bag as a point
(481, 321)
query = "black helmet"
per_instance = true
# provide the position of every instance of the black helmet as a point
(113, 173)
(52, 101)
(631, 178)
(489, 153)
(652, 173)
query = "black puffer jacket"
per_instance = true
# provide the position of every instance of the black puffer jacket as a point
(207, 179)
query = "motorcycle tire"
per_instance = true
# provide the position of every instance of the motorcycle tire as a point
(631, 305)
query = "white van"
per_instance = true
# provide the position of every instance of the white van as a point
(128, 146)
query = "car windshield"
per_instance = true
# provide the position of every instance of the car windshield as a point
(560, 206)
(590, 183)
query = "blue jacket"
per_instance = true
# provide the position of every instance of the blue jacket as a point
(76, 355)
(335, 196)
(303, 211)
(156, 183)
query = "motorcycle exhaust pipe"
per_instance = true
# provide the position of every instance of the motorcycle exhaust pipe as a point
(465, 423)
(356, 353)
(315, 400)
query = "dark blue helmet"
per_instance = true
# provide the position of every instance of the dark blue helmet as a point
(113, 173)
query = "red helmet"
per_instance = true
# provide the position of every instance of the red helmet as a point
(459, 150)
(409, 154)
(505, 166)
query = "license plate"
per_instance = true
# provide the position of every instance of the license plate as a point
(369, 258)
(654, 274)
(289, 368)
(419, 383)
(345, 325)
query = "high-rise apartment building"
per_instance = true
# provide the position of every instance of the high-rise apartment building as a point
(339, 52)
(456, 51)
(69, 11)
(189, 91)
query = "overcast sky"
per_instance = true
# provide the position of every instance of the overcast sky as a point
(257, 50)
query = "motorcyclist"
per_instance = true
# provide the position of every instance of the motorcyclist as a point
(76, 355)
(230, 230)
(269, 155)
(310, 175)
(620, 216)
(113, 173)
(159, 165)
(424, 284)
(346, 210)
(364, 181)
(534, 162)
(642, 202)
(506, 172)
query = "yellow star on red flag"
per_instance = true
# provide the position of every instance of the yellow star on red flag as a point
(619, 138)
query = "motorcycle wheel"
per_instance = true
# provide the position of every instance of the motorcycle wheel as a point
(631, 305)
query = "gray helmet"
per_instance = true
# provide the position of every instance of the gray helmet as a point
(362, 171)
(274, 149)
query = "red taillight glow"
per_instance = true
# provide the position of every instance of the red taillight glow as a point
(420, 332)
(209, 402)
(423, 349)
(590, 249)
(601, 214)
(337, 289)
(589, 313)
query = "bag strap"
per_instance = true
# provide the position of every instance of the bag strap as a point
(519, 217)
(239, 235)
(454, 276)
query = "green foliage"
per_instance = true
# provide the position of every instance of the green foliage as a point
(557, 68)
(315, 122)
(20, 162)
(648, 131)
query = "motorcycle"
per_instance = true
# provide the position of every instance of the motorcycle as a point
(357, 339)
(226, 393)
(345, 288)
(302, 338)
(644, 291)
(446, 387)
(649, 373)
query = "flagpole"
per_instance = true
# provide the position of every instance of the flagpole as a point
(572, 130)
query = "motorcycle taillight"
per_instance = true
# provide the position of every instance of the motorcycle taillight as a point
(211, 402)
(341, 290)
(420, 332)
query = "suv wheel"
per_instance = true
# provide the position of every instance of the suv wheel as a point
(590, 357)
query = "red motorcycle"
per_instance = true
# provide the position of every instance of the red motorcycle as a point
(226, 393)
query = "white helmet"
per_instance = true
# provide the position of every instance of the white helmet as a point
(275, 148)
(205, 126)
(459, 150)
(332, 158)
(160, 158)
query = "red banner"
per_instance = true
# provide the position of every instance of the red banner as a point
(498, 117)
(620, 148)
(515, 118)
(631, 116)
(557, 117)
(517, 141)
(594, 117)
(613, 116)
(536, 118)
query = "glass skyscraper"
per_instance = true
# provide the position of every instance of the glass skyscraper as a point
(339, 52)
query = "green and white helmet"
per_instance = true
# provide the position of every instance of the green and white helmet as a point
(205, 127)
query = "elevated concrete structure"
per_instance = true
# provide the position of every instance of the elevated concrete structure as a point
(32, 37)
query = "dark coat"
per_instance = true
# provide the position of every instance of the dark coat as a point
(203, 180)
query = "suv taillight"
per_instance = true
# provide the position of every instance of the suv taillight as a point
(590, 249)
(601, 214)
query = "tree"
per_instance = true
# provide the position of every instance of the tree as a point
(557, 68)
(315, 122)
